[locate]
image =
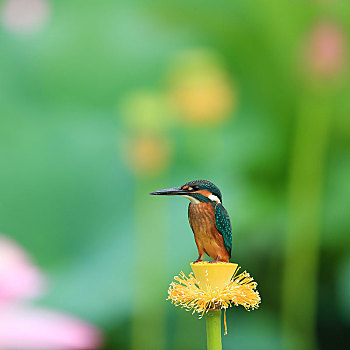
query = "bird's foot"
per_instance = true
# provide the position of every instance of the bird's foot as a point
(198, 260)
(215, 261)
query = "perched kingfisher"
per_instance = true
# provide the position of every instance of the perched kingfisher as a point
(208, 218)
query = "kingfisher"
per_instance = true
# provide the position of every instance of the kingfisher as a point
(208, 218)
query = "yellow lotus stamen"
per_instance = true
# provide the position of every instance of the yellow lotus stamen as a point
(216, 287)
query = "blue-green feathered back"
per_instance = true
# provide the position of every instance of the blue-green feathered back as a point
(223, 225)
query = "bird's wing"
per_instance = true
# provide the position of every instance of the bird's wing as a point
(223, 225)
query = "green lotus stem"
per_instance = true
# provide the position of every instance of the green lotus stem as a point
(308, 163)
(213, 318)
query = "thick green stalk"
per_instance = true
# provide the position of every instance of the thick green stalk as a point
(308, 160)
(213, 319)
(148, 325)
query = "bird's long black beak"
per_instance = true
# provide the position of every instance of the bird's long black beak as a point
(170, 192)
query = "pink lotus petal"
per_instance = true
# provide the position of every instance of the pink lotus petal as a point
(19, 278)
(28, 328)
(326, 49)
(22, 16)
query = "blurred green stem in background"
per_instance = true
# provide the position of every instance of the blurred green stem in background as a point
(213, 320)
(299, 295)
(148, 323)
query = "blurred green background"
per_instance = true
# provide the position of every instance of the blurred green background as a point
(102, 102)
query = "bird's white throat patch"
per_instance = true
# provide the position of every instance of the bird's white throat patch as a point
(193, 200)
(214, 198)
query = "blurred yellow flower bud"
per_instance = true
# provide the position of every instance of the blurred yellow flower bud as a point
(200, 89)
(147, 154)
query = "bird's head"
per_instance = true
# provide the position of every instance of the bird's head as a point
(196, 191)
